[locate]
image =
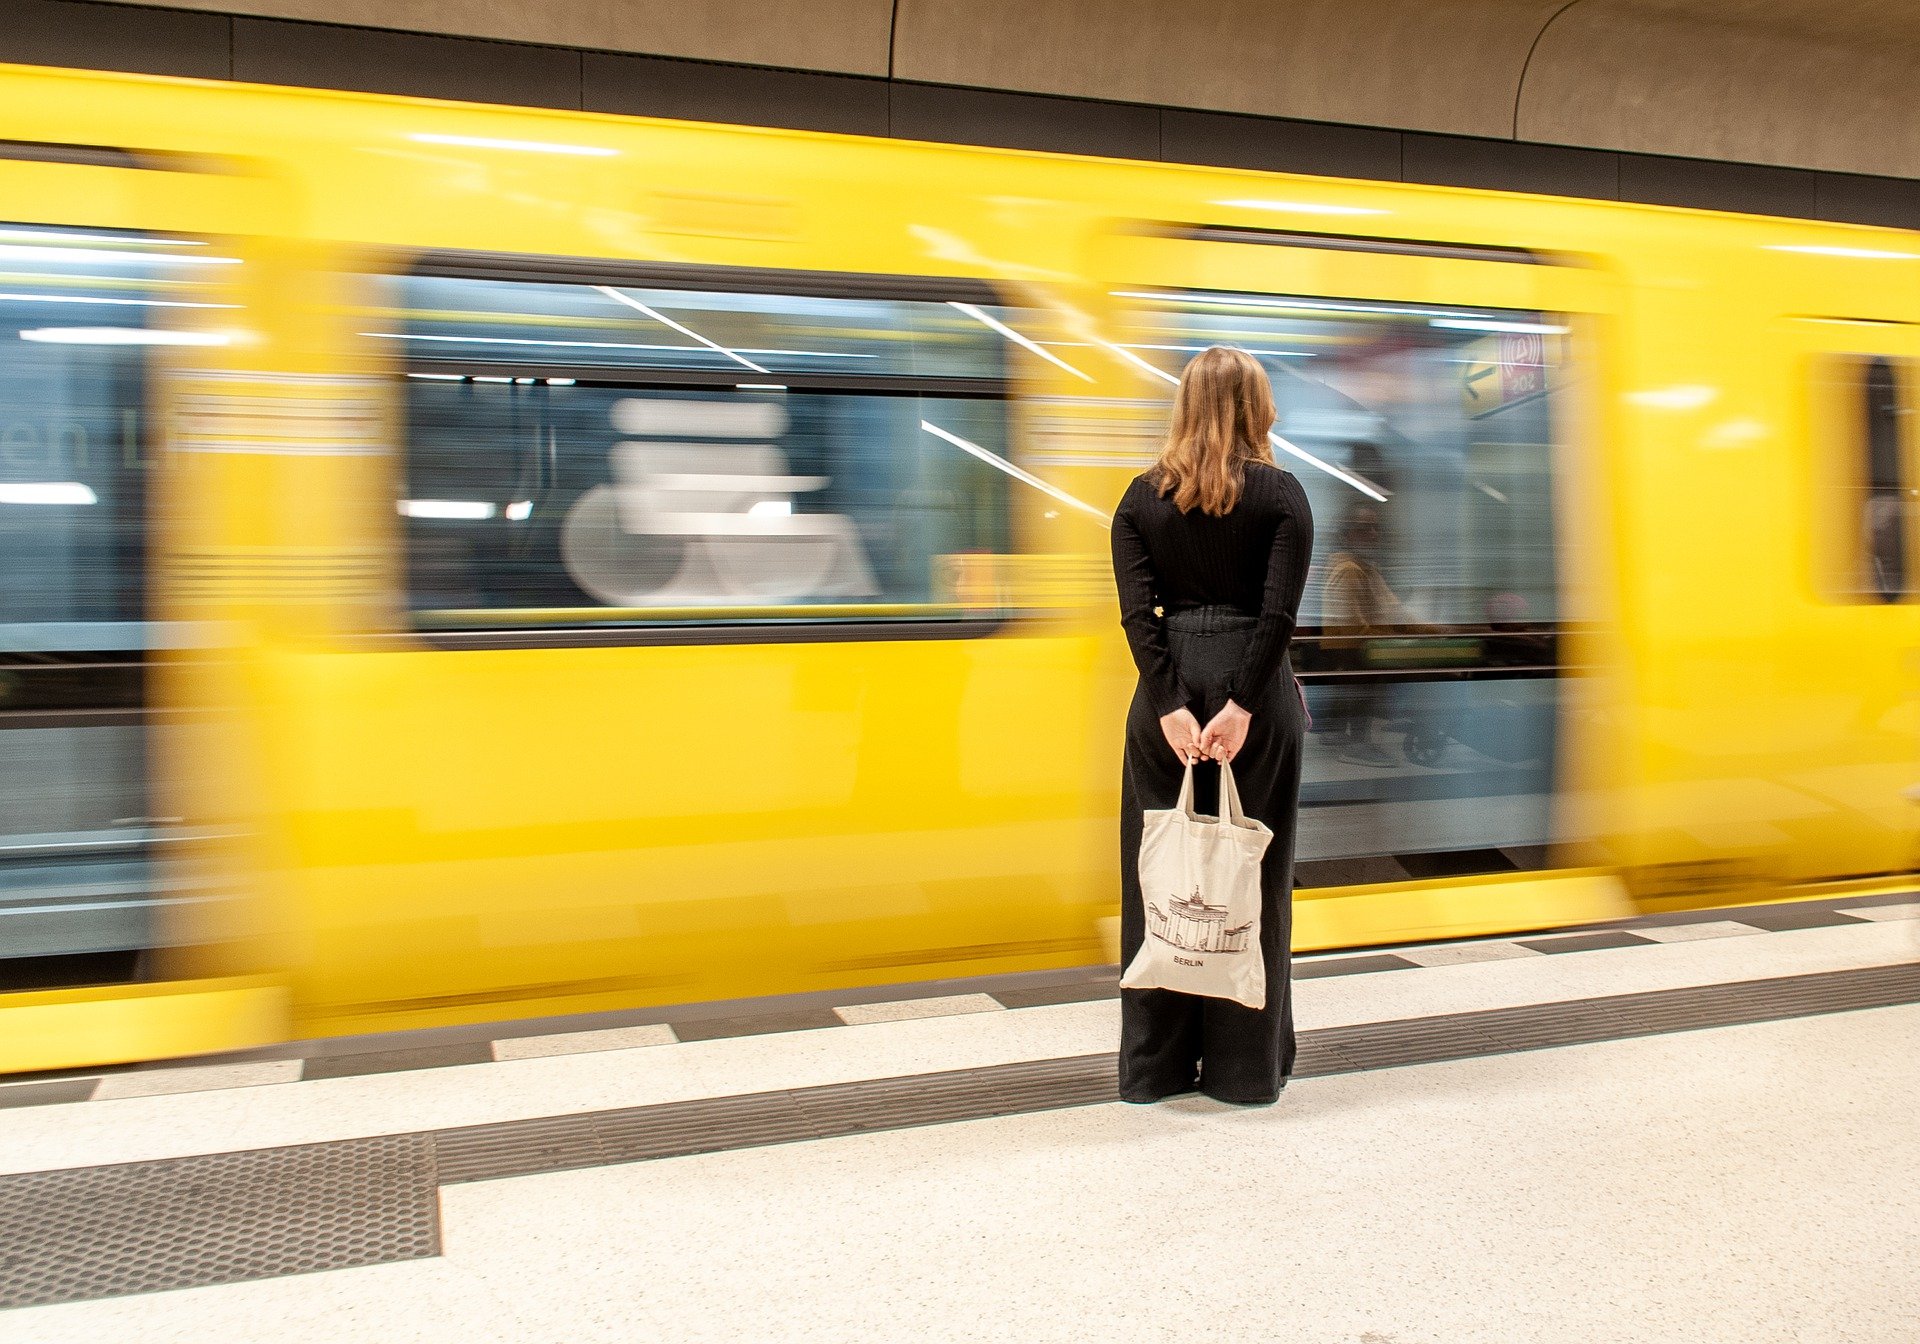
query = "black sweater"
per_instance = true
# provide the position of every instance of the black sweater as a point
(1254, 559)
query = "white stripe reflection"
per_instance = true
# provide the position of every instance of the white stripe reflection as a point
(1023, 342)
(999, 463)
(689, 332)
(1284, 445)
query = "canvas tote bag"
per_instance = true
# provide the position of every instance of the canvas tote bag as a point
(1200, 880)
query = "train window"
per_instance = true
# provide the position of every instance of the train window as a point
(587, 455)
(1424, 436)
(80, 310)
(1872, 499)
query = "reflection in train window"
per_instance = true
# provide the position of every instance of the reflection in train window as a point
(80, 310)
(598, 455)
(1874, 501)
(1424, 438)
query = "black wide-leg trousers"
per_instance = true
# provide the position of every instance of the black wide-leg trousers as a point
(1172, 1042)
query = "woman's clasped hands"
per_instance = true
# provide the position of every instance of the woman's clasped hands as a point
(1220, 740)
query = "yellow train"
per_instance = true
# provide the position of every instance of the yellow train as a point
(466, 563)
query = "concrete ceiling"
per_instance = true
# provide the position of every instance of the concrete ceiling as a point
(1807, 83)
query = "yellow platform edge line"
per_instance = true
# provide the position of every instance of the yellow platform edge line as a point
(125, 1024)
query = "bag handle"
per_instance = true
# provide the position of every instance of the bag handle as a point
(1231, 813)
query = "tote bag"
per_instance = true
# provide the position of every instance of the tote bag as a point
(1200, 880)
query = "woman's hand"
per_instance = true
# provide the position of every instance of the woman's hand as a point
(1227, 733)
(1183, 734)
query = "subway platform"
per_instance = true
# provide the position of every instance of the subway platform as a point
(1687, 1128)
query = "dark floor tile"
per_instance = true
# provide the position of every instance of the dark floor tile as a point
(47, 1094)
(1270, 144)
(717, 1028)
(649, 86)
(1040, 996)
(1318, 968)
(1780, 918)
(397, 1061)
(1587, 942)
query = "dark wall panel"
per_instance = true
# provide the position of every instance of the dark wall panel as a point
(1503, 165)
(114, 37)
(1025, 121)
(647, 86)
(366, 60)
(87, 35)
(1705, 185)
(1890, 201)
(1227, 141)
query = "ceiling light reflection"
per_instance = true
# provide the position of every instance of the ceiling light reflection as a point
(46, 492)
(988, 320)
(999, 463)
(122, 336)
(520, 146)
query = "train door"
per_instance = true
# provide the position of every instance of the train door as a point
(711, 677)
(1434, 400)
(115, 276)
(1850, 670)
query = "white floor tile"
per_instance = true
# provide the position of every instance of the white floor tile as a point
(1911, 910)
(904, 1010)
(133, 1129)
(1463, 954)
(579, 1042)
(1687, 933)
(197, 1078)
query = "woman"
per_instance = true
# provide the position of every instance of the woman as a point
(1210, 552)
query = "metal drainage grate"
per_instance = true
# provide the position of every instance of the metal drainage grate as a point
(146, 1227)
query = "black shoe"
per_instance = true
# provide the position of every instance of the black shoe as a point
(1142, 1098)
(1247, 1101)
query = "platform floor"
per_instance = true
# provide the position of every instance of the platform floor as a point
(1694, 1129)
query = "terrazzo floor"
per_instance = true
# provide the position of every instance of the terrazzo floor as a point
(1745, 1184)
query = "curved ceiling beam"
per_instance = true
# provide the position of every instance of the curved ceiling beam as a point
(1806, 83)
(1451, 67)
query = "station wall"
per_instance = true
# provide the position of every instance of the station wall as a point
(907, 70)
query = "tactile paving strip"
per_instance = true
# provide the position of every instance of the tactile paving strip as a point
(680, 1129)
(1381, 1045)
(148, 1226)
(145, 1227)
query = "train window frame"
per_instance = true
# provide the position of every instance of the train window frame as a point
(1854, 450)
(1460, 678)
(1562, 439)
(716, 628)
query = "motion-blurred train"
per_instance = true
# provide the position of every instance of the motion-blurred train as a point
(463, 563)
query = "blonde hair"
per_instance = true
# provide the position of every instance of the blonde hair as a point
(1222, 414)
